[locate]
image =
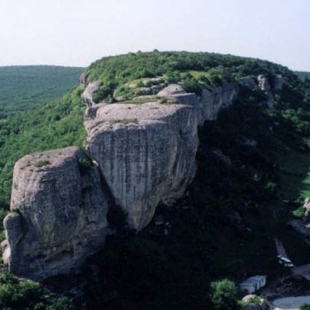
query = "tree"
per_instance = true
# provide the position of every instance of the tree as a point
(224, 294)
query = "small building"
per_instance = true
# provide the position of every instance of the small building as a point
(253, 284)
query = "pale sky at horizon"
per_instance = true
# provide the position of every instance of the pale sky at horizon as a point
(78, 32)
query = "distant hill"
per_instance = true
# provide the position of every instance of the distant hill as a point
(303, 74)
(25, 87)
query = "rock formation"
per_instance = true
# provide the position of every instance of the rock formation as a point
(58, 214)
(263, 83)
(211, 102)
(88, 93)
(264, 86)
(83, 79)
(144, 155)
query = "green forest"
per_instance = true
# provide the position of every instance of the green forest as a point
(223, 229)
(25, 87)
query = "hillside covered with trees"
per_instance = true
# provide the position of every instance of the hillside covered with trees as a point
(25, 87)
(252, 177)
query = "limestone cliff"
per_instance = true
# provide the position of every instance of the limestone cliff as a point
(89, 91)
(144, 154)
(58, 214)
(211, 102)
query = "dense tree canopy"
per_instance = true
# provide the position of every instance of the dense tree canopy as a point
(25, 87)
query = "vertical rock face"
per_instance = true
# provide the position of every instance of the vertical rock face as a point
(58, 214)
(89, 91)
(146, 154)
(83, 79)
(218, 98)
(265, 87)
(263, 83)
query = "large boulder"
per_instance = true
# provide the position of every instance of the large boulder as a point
(58, 214)
(146, 154)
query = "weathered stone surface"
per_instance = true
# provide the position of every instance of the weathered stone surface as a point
(209, 104)
(265, 87)
(83, 79)
(146, 154)
(263, 83)
(218, 98)
(89, 91)
(58, 214)
(306, 206)
(171, 91)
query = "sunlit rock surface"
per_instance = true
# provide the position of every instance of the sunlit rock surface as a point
(146, 154)
(141, 155)
(58, 214)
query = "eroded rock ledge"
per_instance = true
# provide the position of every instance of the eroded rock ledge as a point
(144, 154)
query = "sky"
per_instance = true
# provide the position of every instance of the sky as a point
(79, 32)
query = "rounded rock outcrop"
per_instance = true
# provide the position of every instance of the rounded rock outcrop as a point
(58, 214)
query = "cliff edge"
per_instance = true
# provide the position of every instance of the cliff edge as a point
(145, 152)
(141, 155)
